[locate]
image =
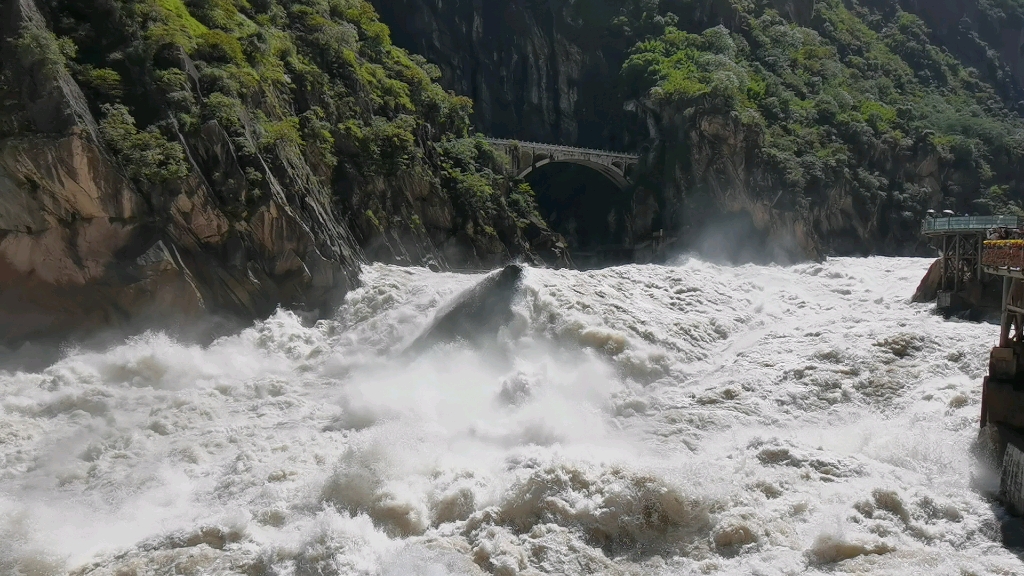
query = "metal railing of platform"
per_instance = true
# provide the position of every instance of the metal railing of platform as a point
(955, 224)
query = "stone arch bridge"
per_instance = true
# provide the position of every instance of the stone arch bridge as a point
(528, 156)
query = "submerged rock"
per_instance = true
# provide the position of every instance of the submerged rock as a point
(928, 289)
(477, 313)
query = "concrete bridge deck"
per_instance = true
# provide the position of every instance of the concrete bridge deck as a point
(567, 149)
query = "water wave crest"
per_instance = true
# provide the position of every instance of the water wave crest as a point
(636, 420)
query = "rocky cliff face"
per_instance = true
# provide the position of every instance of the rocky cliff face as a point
(544, 72)
(170, 156)
(547, 72)
(553, 71)
(719, 192)
(81, 245)
(989, 36)
(248, 210)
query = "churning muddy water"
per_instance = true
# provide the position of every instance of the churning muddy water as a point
(686, 419)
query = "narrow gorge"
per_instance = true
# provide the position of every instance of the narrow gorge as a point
(510, 287)
(163, 159)
(815, 128)
(177, 157)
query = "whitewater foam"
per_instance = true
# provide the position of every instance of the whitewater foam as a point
(636, 420)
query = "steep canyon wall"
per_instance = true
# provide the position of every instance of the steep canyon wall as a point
(553, 71)
(150, 170)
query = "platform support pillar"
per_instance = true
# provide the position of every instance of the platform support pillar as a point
(1004, 324)
(958, 264)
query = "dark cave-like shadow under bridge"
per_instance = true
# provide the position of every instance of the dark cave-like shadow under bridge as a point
(529, 156)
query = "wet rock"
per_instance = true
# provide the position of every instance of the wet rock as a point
(928, 289)
(478, 313)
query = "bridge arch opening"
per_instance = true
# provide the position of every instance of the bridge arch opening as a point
(583, 202)
(613, 173)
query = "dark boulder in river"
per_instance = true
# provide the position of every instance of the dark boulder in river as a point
(477, 313)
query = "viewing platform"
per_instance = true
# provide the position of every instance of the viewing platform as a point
(982, 259)
(1002, 397)
(969, 224)
(968, 254)
(999, 241)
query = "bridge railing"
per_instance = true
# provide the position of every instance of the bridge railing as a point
(563, 148)
(969, 224)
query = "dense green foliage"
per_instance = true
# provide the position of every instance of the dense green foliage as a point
(858, 108)
(316, 81)
(858, 101)
(147, 155)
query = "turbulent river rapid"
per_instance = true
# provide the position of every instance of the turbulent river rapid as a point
(685, 419)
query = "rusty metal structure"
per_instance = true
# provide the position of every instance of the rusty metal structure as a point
(961, 260)
(959, 240)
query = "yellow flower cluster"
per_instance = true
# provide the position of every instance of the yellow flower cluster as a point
(1004, 243)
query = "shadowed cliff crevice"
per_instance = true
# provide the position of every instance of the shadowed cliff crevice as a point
(590, 211)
